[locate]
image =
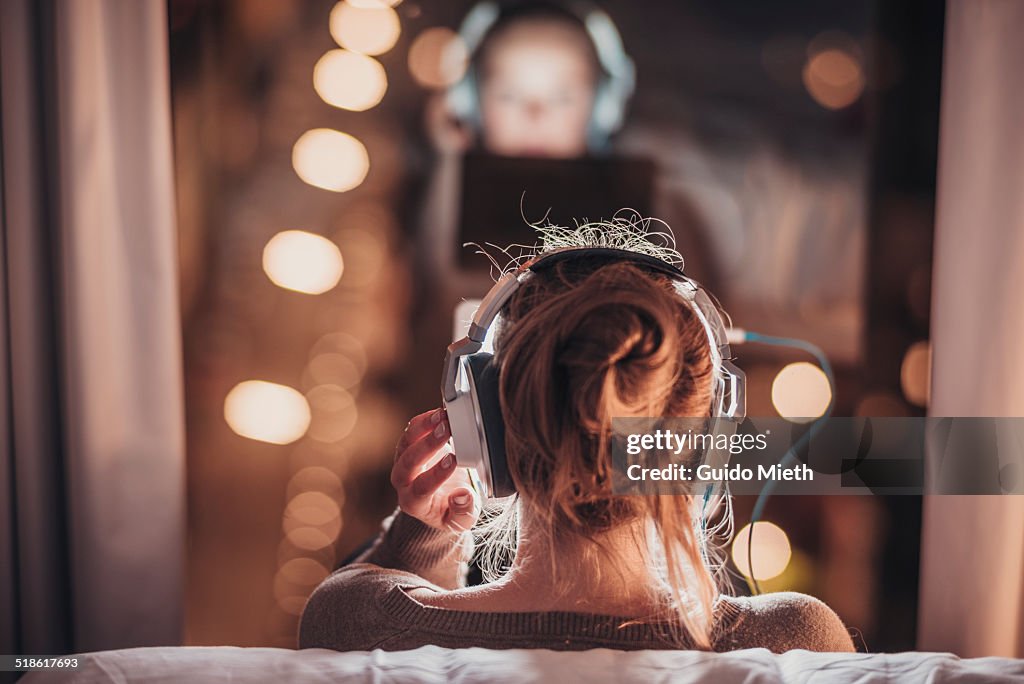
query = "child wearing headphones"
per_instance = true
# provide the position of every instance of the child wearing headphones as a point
(544, 81)
(591, 336)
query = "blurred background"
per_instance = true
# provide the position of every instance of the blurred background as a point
(325, 183)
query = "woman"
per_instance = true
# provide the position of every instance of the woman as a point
(580, 342)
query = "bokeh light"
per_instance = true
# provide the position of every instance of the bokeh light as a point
(801, 392)
(309, 538)
(366, 27)
(330, 159)
(310, 509)
(292, 604)
(301, 261)
(295, 581)
(770, 549)
(334, 413)
(915, 373)
(341, 343)
(834, 78)
(315, 479)
(331, 369)
(375, 3)
(349, 80)
(438, 58)
(267, 412)
(303, 571)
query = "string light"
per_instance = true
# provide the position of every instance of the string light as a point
(349, 80)
(438, 58)
(771, 551)
(801, 392)
(267, 412)
(303, 262)
(915, 373)
(330, 159)
(834, 78)
(369, 28)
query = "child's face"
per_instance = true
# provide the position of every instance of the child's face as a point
(537, 91)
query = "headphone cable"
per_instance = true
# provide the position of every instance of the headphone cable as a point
(740, 336)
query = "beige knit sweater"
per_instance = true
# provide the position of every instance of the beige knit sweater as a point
(366, 605)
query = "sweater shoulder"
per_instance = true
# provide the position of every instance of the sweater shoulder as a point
(782, 621)
(345, 612)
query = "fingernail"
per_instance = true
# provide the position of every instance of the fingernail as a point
(440, 430)
(436, 417)
(461, 499)
(448, 461)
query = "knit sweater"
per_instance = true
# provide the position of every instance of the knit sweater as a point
(366, 605)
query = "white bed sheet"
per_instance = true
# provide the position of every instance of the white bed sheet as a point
(438, 665)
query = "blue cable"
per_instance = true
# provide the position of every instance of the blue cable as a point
(790, 455)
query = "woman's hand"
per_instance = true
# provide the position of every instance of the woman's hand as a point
(439, 494)
(446, 133)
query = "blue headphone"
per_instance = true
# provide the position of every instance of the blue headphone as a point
(615, 86)
(469, 384)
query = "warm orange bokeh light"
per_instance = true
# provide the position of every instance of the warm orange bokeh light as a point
(438, 58)
(915, 373)
(309, 538)
(341, 343)
(330, 159)
(368, 28)
(312, 508)
(334, 413)
(801, 392)
(349, 80)
(301, 261)
(331, 369)
(315, 479)
(375, 3)
(771, 551)
(834, 78)
(295, 580)
(267, 412)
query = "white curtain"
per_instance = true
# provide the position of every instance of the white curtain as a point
(972, 561)
(123, 392)
(94, 452)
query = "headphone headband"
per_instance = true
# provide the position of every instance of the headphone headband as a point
(506, 286)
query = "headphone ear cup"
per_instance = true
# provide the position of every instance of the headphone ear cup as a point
(604, 116)
(463, 101)
(484, 377)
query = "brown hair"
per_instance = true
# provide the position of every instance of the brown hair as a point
(582, 341)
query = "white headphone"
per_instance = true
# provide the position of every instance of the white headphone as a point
(615, 86)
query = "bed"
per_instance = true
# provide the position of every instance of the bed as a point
(434, 664)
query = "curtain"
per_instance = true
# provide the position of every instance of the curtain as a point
(92, 509)
(972, 560)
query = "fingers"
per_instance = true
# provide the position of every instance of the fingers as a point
(462, 511)
(422, 491)
(410, 461)
(428, 482)
(419, 426)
